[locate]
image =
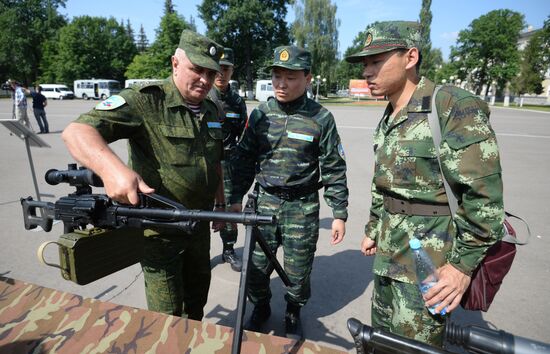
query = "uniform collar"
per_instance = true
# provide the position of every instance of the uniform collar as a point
(420, 102)
(421, 99)
(173, 95)
(293, 106)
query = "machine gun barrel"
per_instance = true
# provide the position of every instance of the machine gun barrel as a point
(195, 215)
(473, 339)
(370, 340)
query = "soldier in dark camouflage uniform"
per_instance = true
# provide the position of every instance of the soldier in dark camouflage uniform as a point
(292, 147)
(233, 118)
(408, 196)
(175, 148)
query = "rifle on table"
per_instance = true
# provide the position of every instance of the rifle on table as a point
(473, 339)
(87, 254)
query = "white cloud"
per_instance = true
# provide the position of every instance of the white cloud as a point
(449, 36)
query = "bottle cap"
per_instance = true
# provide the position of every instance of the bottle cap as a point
(414, 243)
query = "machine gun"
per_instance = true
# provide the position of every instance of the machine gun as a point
(473, 339)
(87, 254)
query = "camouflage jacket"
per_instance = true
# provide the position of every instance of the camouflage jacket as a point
(173, 150)
(291, 145)
(406, 167)
(233, 114)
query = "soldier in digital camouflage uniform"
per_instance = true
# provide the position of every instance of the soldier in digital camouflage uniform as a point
(292, 148)
(175, 148)
(408, 196)
(233, 117)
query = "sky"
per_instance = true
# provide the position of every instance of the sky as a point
(449, 17)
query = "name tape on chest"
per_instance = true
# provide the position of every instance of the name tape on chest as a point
(214, 124)
(110, 103)
(298, 136)
(232, 115)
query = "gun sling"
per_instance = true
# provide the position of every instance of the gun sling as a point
(399, 206)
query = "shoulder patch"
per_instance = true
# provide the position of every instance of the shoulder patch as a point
(110, 103)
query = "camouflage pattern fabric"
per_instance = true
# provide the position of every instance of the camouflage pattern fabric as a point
(177, 153)
(177, 274)
(406, 167)
(297, 231)
(234, 116)
(388, 35)
(200, 50)
(398, 308)
(291, 145)
(37, 319)
(292, 58)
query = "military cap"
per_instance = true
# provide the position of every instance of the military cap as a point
(389, 35)
(200, 50)
(292, 58)
(227, 57)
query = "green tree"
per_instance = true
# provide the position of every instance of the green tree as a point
(253, 28)
(487, 49)
(534, 63)
(129, 30)
(92, 47)
(430, 58)
(27, 27)
(346, 71)
(316, 29)
(142, 43)
(155, 62)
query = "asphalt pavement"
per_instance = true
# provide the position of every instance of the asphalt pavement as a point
(341, 278)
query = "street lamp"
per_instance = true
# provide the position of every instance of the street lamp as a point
(318, 81)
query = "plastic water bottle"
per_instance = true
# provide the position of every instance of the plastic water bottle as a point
(425, 271)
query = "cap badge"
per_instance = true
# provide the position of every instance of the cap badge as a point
(212, 50)
(223, 56)
(284, 55)
(368, 41)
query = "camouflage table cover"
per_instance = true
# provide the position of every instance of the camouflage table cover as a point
(35, 319)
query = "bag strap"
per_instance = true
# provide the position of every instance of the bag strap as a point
(433, 120)
(435, 127)
(511, 239)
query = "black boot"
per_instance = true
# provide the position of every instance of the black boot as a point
(230, 257)
(260, 314)
(293, 324)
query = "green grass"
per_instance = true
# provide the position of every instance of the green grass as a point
(526, 106)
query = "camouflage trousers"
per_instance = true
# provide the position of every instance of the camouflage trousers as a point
(229, 233)
(398, 307)
(297, 230)
(177, 274)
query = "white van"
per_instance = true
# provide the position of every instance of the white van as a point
(96, 88)
(56, 91)
(264, 90)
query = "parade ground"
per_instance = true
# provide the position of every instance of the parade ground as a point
(342, 276)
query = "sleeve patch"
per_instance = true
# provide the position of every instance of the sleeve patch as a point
(341, 151)
(110, 103)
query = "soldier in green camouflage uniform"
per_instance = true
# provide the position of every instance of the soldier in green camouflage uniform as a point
(175, 148)
(233, 118)
(292, 147)
(408, 196)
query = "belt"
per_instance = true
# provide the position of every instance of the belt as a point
(290, 193)
(399, 206)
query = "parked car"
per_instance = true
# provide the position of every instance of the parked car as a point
(57, 91)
